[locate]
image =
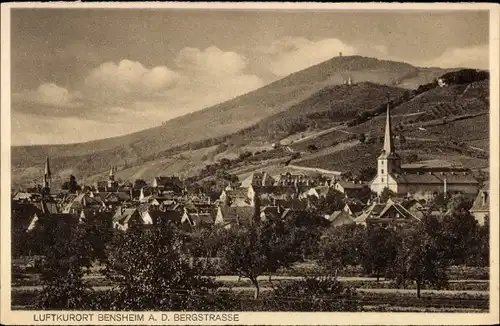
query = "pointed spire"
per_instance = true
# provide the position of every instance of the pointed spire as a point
(388, 144)
(47, 175)
(112, 171)
(47, 172)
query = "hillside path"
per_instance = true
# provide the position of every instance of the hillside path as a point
(329, 150)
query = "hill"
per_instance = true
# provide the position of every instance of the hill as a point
(303, 91)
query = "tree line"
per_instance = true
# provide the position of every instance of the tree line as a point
(167, 268)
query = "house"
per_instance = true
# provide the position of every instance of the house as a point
(258, 179)
(317, 192)
(171, 205)
(23, 214)
(81, 201)
(442, 82)
(353, 208)
(20, 195)
(116, 198)
(146, 193)
(350, 188)
(229, 216)
(481, 207)
(240, 197)
(124, 218)
(101, 218)
(274, 212)
(168, 184)
(196, 218)
(338, 218)
(421, 182)
(271, 193)
(157, 217)
(390, 213)
(53, 219)
(288, 179)
(293, 204)
(110, 198)
(416, 207)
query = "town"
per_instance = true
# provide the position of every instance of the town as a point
(173, 165)
(399, 197)
(398, 194)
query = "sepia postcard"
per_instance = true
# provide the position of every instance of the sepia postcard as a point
(249, 164)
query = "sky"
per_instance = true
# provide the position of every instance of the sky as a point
(85, 74)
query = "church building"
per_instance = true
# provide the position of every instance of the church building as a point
(418, 180)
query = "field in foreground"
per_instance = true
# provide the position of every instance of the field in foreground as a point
(467, 291)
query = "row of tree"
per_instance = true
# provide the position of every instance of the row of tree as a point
(164, 268)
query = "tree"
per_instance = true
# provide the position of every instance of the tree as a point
(406, 96)
(361, 137)
(386, 194)
(333, 201)
(482, 251)
(459, 236)
(412, 158)
(278, 246)
(367, 174)
(258, 249)
(421, 257)
(68, 255)
(151, 272)
(306, 230)
(458, 204)
(341, 246)
(312, 148)
(243, 254)
(205, 242)
(380, 250)
(439, 201)
(139, 183)
(71, 185)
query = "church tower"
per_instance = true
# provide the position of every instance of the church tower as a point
(388, 161)
(112, 174)
(47, 176)
(112, 184)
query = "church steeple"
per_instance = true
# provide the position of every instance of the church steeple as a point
(47, 175)
(111, 176)
(388, 143)
(389, 161)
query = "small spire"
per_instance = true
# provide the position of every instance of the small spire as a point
(388, 144)
(111, 171)
(47, 172)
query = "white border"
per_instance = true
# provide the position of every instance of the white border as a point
(268, 318)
